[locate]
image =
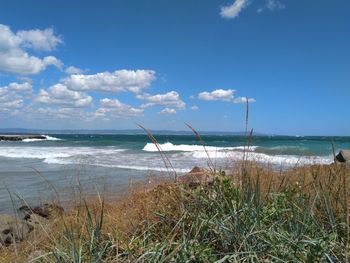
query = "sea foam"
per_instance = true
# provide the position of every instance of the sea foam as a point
(169, 147)
(47, 138)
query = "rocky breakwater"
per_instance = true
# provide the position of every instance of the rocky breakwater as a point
(5, 137)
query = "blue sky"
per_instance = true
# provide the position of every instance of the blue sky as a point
(111, 64)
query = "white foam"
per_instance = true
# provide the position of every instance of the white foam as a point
(289, 160)
(47, 138)
(148, 168)
(169, 147)
(50, 138)
(59, 155)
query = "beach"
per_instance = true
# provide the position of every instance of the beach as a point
(30, 169)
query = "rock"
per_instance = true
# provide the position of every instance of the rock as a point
(343, 156)
(20, 137)
(47, 211)
(197, 176)
(36, 222)
(12, 230)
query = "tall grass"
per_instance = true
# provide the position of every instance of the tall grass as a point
(297, 216)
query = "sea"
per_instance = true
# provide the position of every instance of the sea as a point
(64, 165)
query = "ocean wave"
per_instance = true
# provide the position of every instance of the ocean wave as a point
(169, 147)
(289, 160)
(183, 157)
(55, 154)
(148, 168)
(284, 150)
(47, 138)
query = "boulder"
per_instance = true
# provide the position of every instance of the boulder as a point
(343, 156)
(197, 176)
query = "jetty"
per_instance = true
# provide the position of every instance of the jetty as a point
(20, 137)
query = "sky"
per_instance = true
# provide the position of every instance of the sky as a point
(112, 64)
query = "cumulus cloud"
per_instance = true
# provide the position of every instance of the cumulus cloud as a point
(73, 70)
(15, 59)
(11, 96)
(219, 94)
(223, 95)
(14, 88)
(20, 87)
(43, 40)
(115, 108)
(10, 104)
(59, 94)
(167, 111)
(233, 10)
(194, 108)
(118, 81)
(170, 99)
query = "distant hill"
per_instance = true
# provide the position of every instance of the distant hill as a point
(130, 131)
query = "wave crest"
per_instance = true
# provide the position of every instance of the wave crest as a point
(47, 138)
(169, 147)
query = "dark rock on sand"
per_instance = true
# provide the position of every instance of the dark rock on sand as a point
(12, 230)
(197, 176)
(343, 156)
(47, 211)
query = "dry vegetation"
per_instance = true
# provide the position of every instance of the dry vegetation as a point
(253, 214)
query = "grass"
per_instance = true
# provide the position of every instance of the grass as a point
(300, 215)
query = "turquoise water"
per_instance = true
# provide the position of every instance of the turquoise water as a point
(112, 161)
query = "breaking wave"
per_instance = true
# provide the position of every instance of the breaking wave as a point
(169, 147)
(47, 138)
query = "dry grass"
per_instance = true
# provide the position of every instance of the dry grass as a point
(128, 230)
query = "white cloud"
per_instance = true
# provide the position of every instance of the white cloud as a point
(59, 94)
(13, 57)
(170, 99)
(223, 95)
(43, 40)
(233, 10)
(117, 109)
(194, 108)
(11, 97)
(20, 87)
(219, 94)
(167, 111)
(119, 81)
(243, 100)
(11, 104)
(73, 70)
